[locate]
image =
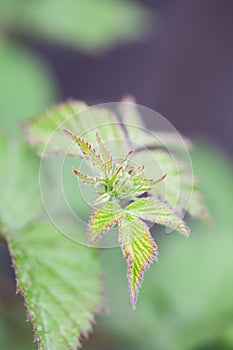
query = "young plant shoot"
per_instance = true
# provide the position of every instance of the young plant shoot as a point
(125, 199)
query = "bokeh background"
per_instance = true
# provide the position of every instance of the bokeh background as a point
(175, 56)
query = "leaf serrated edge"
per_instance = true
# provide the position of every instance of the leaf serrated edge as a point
(130, 262)
(185, 230)
(103, 309)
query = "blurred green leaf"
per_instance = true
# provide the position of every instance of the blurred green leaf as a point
(187, 299)
(20, 202)
(26, 85)
(46, 135)
(89, 25)
(59, 280)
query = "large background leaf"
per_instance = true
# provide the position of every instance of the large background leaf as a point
(87, 25)
(60, 280)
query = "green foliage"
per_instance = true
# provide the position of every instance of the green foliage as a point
(90, 25)
(59, 280)
(26, 85)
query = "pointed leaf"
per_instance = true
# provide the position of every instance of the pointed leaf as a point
(102, 219)
(141, 186)
(85, 178)
(138, 171)
(154, 210)
(139, 250)
(87, 150)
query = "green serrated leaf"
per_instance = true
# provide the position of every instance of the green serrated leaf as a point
(139, 250)
(60, 282)
(102, 219)
(83, 121)
(154, 210)
(142, 185)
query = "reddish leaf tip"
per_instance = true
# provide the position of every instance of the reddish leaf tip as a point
(67, 132)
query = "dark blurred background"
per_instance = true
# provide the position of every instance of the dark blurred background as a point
(182, 69)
